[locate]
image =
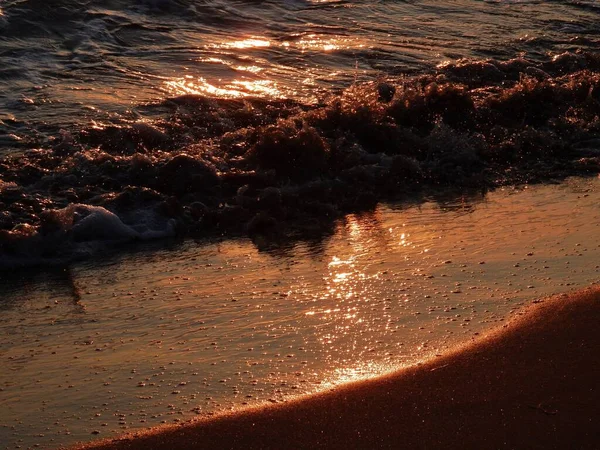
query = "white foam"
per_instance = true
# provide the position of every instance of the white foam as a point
(81, 231)
(95, 223)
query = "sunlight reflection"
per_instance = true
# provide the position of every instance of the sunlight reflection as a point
(404, 242)
(327, 44)
(234, 89)
(252, 69)
(341, 277)
(245, 44)
(344, 286)
(352, 374)
(335, 261)
(353, 304)
(314, 42)
(212, 59)
(262, 87)
(238, 55)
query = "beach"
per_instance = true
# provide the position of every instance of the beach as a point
(532, 383)
(189, 330)
(299, 223)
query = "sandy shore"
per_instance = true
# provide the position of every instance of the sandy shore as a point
(533, 384)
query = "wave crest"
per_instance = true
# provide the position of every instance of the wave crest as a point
(252, 165)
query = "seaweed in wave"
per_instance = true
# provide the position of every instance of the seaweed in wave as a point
(216, 166)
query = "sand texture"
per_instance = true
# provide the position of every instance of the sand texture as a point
(532, 384)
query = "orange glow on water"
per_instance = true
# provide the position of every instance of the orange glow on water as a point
(267, 88)
(251, 69)
(315, 42)
(245, 44)
(351, 374)
(224, 325)
(253, 76)
(234, 89)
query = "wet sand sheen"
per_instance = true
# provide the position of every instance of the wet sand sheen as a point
(531, 384)
(166, 336)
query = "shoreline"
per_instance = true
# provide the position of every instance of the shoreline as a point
(531, 384)
(274, 170)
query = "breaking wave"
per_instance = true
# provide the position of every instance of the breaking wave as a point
(278, 167)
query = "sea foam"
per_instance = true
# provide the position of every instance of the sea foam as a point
(256, 166)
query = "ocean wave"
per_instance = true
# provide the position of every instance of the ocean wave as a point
(77, 231)
(262, 167)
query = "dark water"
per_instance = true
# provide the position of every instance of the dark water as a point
(73, 63)
(193, 116)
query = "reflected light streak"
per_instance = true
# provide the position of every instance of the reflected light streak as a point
(346, 287)
(264, 87)
(229, 54)
(404, 240)
(341, 277)
(335, 261)
(251, 69)
(245, 44)
(352, 374)
(313, 42)
(327, 44)
(213, 60)
(364, 232)
(236, 89)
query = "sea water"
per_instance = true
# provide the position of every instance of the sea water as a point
(103, 61)
(184, 117)
(207, 205)
(163, 335)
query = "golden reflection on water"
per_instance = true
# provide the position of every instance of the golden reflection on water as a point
(245, 44)
(316, 42)
(242, 68)
(362, 372)
(270, 326)
(251, 69)
(313, 41)
(234, 89)
(229, 53)
(350, 282)
(403, 239)
(344, 285)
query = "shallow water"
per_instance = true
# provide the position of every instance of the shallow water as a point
(163, 335)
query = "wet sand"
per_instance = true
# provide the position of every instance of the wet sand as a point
(532, 384)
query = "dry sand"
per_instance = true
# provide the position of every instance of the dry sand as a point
(533, 384)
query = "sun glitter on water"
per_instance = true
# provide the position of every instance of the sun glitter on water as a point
(343, 375)
(257, 78)
(245, 44)
(238, 88)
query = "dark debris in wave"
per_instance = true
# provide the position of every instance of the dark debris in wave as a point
(275, 167)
